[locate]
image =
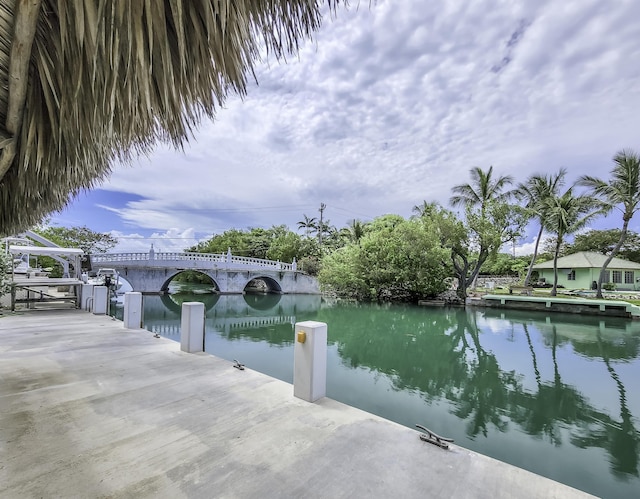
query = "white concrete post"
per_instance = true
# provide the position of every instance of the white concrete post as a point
(192, 327)
(86, 292)
(310, 360)
(133, 310)
(100, 298)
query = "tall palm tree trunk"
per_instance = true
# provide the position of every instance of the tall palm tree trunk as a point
(554, 290)
(614, 252)
(533, 258)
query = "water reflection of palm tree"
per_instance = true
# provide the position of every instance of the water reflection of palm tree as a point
(542, 413)
(485, 393)
(537, 420)
(619, 438)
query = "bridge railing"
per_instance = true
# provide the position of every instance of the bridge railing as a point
(230, 260)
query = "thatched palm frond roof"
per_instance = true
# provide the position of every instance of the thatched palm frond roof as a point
(86, 82)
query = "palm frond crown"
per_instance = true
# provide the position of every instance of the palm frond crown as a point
(624, 186)
(482, 189)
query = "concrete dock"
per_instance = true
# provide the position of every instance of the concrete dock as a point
(89, 409)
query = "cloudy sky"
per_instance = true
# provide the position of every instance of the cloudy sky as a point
(391, 104)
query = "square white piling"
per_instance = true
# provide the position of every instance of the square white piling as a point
(132, 310)
(100, 300)
(310, 361)
(192, 327)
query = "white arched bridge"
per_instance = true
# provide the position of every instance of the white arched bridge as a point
(153, 271)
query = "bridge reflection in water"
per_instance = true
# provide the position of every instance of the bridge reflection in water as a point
(556, 394)
(228, 313)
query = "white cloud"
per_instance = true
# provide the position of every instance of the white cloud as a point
(394, 103)
(173, 240)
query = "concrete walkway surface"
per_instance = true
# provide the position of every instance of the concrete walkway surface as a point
(89, 409)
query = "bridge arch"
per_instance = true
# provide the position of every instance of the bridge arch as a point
(270, 285)
(165, 285)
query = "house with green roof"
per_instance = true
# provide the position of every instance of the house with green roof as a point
(581, 271)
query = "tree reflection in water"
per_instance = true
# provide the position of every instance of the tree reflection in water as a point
(619, 438)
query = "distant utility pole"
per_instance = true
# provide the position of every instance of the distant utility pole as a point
(321, 225)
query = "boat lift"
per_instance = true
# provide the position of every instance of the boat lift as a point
(34, 286)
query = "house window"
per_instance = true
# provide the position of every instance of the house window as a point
(607, 276)
(617, 276)
(571, 276)
(628, 276)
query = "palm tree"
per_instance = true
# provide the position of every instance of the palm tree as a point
(356, 229)
(423, 210)
(482, 190)
(534, 192)
(307, 224)
(623, 189)
(565, 215)
(325, 229)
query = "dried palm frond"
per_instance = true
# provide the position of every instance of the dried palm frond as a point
(86, 82)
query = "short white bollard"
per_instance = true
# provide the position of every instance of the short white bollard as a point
(192, 327)
(310, 360)
(100, 297)
(86, 296)
(133, 310)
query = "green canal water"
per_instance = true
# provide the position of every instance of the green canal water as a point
(555, 394)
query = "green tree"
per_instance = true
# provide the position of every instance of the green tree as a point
(549, 248)
(490, 223)
(422, 210)
(604, 241)
(534, 192)
(259, 240)
(505, 264)
(234, 238)
(623, 189)
(356, 229)
(477, 238)
(565, 215)
(328, 235)
(482, 190)
(309, 257)
(87, 240)
(285, 247)
(396, 259)
(5, 271)
(343, 274)
(308, 224)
